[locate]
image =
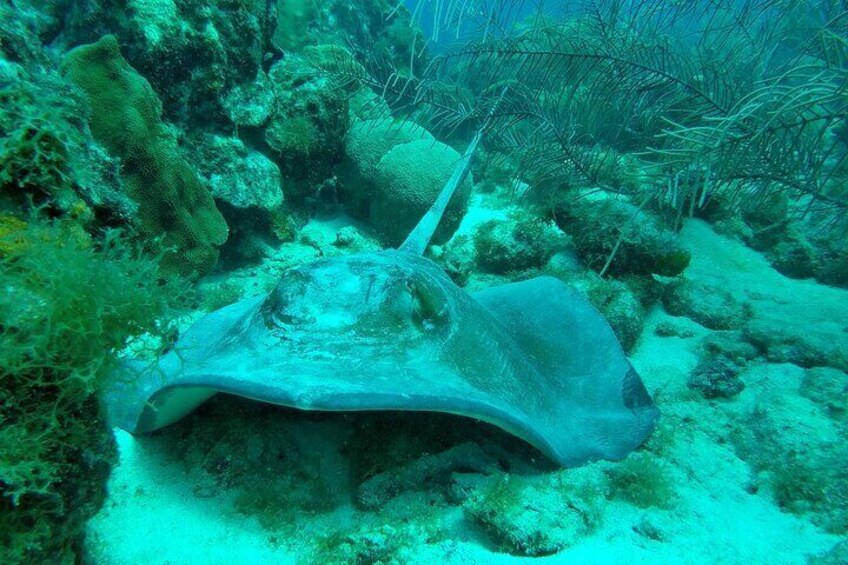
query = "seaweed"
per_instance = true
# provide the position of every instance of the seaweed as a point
(643, 480)
(68, 305)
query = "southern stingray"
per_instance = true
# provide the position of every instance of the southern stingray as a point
(391, 331)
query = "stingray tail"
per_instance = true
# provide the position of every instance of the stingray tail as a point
(419, 238)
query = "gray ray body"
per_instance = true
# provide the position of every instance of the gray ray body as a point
(390, 331)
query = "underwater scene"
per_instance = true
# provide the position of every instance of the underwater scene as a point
(423, 282)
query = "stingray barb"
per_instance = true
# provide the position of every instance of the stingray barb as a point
(391, 331)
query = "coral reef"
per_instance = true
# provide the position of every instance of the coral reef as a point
(237, 175)
(836, 556)
(822, 345)
(189, 50)
(729, 345)
(298, 129)
(304, 131)
(247, 188)
(46, 155)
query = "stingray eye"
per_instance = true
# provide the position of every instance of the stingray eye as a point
(429, 310)
(275, 316)
(278, 310)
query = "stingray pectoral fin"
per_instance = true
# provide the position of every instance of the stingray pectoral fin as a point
(575, 348)
(170, 405)
(138, 400)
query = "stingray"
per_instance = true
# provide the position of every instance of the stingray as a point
(391, 331)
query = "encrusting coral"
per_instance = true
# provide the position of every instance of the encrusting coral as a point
(126, 119)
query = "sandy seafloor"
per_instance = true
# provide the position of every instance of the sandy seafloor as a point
(154, 514)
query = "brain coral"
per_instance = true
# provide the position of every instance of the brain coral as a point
(126, 119)
(392, 173)
(408, 179)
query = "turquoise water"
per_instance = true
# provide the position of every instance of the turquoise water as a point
(423, 282)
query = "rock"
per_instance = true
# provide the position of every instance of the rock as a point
(250, 104)
(617, 302)
(828, 388)
(378, 490)
(649, 529)
(463, 485)
(709, 305)
(819, 345)
(801, 454)
(731, 346)
(641, 245)
(716, 377)
(793, 256)
(237, 175)
(670, 329)
(351, 239)
(456, 258)
(539, 517)
(382, 545)
(518, 243)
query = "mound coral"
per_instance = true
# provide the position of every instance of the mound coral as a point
(365, 144)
